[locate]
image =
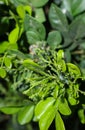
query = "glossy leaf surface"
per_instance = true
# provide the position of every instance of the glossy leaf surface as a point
(43, 106)
(25, 114)
(59, 124)
(47, 118)
(57, 18)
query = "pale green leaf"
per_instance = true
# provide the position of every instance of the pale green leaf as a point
(13, 36)
(73, 70)
(64, 107)
(4, 46)
(72, 100)
(42, 107)
(59, 124)
(7, 62)
(2, 72)
(21, 11)
(47, 118)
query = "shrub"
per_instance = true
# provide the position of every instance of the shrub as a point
(42, 61)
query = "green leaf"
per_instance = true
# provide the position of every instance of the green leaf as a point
(29, 62)
(21, 11)
(25, 114)
(20, 2)
(81, 114)
(73, 70)
(2, 73)
(39, 15)
(10, 110)
(59, 124)
(76, 28)
(13, 36)
(74, 7)
(39, 3)
(54, 39)
(60, 55)
(42, 107)
(47, 118)
(7, 62)
(31, 65)
(66, 6)
(57, 18)
(28, 9)
(77, 6)
(30, 24)
(63, 107)
(12, 46)
(32, 37)
(17, 53)
(56, 90)
(4, 46)
(72, 100)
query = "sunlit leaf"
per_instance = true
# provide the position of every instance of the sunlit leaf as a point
(60, 55)
(47, 118)
(21, 11)
(2, 72)
(28, 9)
(64, 107)
(59, 124)
(42, 106)
(73, 70)
(72, 100)
(7, 62)
(4, 46)
(13, 36)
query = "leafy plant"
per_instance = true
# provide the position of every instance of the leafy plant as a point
(42, 61)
